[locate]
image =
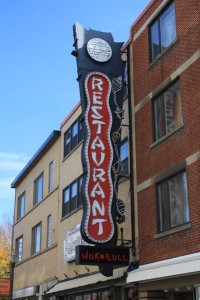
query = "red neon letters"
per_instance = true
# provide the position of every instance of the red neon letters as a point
(98, 226)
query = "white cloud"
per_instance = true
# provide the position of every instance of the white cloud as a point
(10, 166)
(12, 162)
(7, 198)
(6, 192)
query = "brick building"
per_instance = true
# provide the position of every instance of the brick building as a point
(164, 83)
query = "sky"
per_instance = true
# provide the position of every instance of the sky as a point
(38, 86)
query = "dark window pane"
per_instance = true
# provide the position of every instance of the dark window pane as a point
(167, 111)
(37, 238)
(73, 200)
(72, 204)
(178, 200)
(79, 197)
(80, 133)
(159, 113)
(173, 202)
(163, 31)
(168, 27)
(65, 209)
(50, 177)
(19, 247)
(74, 134)
(79, 200)
(38, 189)
(75, 129)
(164, 209)
(74, 189)
(125, 85)
(125, 167)
(124, 157)
(67, 142)
(80, 184)
(66, 199)
(183, 296)
(49, 229)
(66, 195)
(21, 206)
(155, 42)
(124, 150)
(67, 137)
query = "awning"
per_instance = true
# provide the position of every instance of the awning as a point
(177, 266)
(86, 281)
(26, 292)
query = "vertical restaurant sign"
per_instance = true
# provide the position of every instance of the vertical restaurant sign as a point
(99, 225)
(100, 76)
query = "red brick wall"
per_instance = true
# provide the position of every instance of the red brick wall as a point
(187, 241)
(178, 146)
(147, 78)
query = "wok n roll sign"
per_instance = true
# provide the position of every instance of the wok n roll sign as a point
(99, 224)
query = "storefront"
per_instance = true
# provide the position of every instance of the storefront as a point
(177, 278)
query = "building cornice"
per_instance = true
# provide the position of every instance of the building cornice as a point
(52, 138)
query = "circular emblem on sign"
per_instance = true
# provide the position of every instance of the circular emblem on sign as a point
(99, 50)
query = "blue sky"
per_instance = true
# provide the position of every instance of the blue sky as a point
(38, 86)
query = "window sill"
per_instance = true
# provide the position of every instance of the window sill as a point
(35, 255)
(167, 135)
(77, 146)
(162, 53)
(43, 251)
(174, 230)
(123, 178)
(71, 213)
(125, 97)
(36, 205)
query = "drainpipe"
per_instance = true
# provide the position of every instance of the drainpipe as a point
(131, 146)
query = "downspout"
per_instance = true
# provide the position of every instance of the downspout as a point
(132, 149)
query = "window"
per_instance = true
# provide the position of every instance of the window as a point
(49, 230)
(125, 86)
(72, 196)
(167, 111)
(74, 132)
(38, 189)
(183, 295)
(162, 31)
(36, 238)
(18, 248)
(50, 177)
(21, 206)
(73, 136)
(124, 157)
(90, 296)
(173, 208)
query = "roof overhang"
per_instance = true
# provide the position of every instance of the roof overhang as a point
(38, 155)
(89, 282)
(26, 292)
(178, 266)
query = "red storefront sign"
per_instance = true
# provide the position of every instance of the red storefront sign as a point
(99, 224)
(4, 287)
(97, 255)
